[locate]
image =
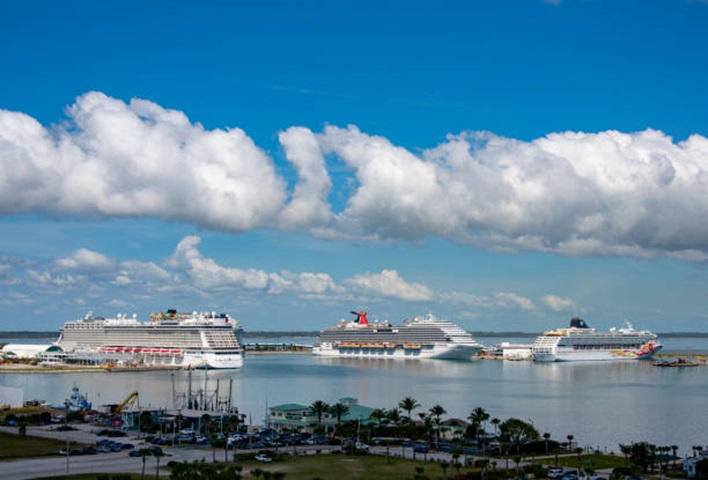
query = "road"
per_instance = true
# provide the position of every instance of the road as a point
(121, 462)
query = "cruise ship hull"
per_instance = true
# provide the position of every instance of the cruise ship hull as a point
(417, 338)
(183, 340)
(440, 351)
(579, 342)
(570, 355)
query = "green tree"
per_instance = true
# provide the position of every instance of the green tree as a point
(379, 415)
(702, 469)
(437, 411)
(394, 415)
(444, 466)
(319, 408)
(643, 455)
(158, 455)
(339, 410)
(546, 437)
(478, 418)
(408, 404)
(144, 453)
(495, 422)
(145, 422)
(517, 432)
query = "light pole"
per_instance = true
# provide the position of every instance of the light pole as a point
(66, 421)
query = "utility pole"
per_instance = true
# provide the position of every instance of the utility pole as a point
(66, 421)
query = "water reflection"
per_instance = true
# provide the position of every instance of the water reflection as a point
(600, 404)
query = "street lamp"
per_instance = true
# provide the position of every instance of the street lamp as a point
(66, 429)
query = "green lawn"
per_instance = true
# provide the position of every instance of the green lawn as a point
(339, 467)
(13, 446)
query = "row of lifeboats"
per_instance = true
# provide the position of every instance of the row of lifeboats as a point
(150, 351)
(406, 346)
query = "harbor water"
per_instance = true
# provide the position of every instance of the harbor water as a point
(601, 404)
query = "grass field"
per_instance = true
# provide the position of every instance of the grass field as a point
(13, 446)
(338, 467)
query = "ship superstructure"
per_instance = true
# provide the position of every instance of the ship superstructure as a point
(580, 342)
(198, 339)
(419, 337)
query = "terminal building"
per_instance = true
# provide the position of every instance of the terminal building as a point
(296, 417)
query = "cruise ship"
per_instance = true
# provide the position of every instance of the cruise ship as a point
(579, 342)
(420, 337)
(198, 340)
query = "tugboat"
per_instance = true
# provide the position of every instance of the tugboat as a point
(77, 402)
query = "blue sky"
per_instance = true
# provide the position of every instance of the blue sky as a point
(506, 165)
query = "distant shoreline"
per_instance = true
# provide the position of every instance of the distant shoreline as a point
(305, 334)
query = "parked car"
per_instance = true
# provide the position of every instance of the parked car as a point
(361, 446)
(555, 472)
(261, 457)
(155, 450)
(420, 448)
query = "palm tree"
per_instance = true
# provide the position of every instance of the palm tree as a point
(570, 442)
(444, 466)
(478, 418)
(158, 454)
(379, 415)
(495, 422)
(408, 404)
(546, 437)
(319, 407)
(626, 450)
(394, 415)
(144, 452)
(339, 410)
(674, 449)
(257, 472)
(437, 411)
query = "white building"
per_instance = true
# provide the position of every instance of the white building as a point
(28, 351)
(515, 351)
(689, 464)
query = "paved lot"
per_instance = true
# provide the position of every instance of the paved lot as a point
(114, 462)
(120, 461)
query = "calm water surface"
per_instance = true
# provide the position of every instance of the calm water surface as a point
(600, 404)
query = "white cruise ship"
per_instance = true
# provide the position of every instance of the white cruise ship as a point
(420, 337)
(580, 342)
(199, 340)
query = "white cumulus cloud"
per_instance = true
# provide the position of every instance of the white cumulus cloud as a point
(557, 303)
(136, 159)
(638, 194)
(84, 259)
(388, 283)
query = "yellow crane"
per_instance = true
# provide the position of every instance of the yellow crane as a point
(128, 402)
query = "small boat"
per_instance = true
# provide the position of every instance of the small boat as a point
(77, 402)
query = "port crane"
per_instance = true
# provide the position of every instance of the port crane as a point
(128, 402)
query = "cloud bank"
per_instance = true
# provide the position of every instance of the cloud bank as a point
(608, 193)
(89, 277)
